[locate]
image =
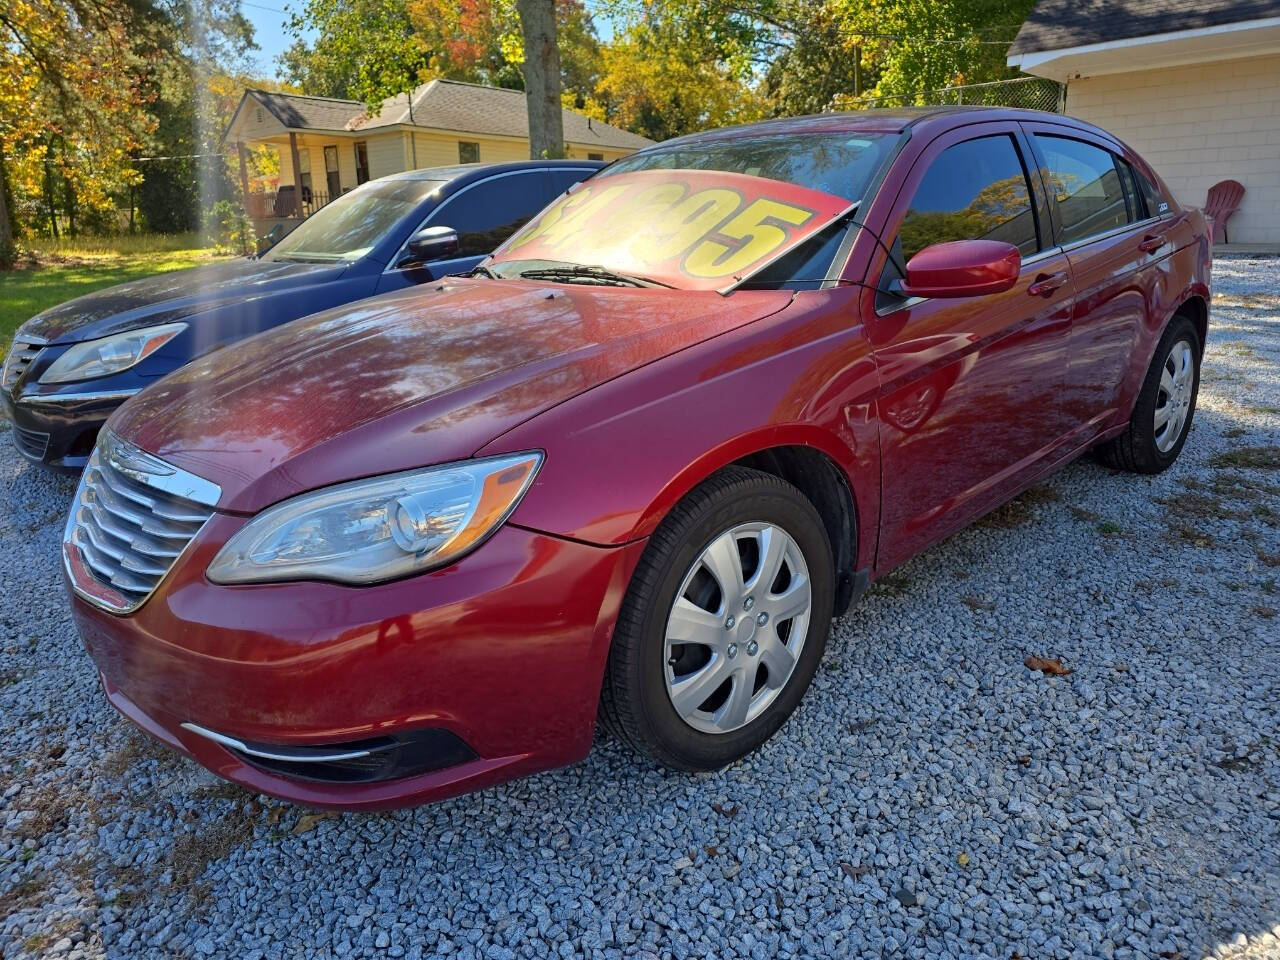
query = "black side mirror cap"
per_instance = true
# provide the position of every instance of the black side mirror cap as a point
(432, 243)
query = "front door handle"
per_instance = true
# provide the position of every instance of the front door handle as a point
(1151, 242)
(1046, 283)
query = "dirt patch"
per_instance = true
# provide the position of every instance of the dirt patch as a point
(193, 852)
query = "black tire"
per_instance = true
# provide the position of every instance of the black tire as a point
(634, 704)
(1136, 450)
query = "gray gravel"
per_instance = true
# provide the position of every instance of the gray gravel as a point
(932, 797)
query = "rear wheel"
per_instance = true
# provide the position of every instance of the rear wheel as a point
(723, 625)
(1165, 405)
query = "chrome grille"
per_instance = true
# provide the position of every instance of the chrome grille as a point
(132, 517)
(19, 358)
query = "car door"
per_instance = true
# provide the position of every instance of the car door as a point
(484, 214)
(1115, 250)
(970, 387)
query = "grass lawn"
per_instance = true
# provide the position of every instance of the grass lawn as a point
(75, 267)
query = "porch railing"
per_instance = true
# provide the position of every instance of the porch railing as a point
(284, 203)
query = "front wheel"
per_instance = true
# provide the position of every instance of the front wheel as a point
(723, 625)
(1165, 405)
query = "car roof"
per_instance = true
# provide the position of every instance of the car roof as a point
(471, 171)
(877, 120)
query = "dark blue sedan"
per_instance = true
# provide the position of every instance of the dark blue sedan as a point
(72, 365)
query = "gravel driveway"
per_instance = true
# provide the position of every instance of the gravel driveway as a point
(933, 796)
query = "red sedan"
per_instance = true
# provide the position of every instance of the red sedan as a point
(633, 465)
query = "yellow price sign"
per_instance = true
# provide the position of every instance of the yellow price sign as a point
(694, 229)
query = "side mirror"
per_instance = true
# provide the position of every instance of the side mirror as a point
(432, 243)
(962, 268)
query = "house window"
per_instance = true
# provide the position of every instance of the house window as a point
(304, 173)
(595, 156)
(362, 162)
(468, 152)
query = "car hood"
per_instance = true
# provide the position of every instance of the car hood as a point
(171, 296)
(422, 376)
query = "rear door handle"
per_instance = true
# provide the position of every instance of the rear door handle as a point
(1046, 283)
(1151, 242)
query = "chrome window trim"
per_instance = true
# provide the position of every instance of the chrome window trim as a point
(240, 746)
(33, 399)
(1108, 234)
(395, 259)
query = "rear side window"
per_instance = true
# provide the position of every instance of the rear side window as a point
(973, 190)
(1157, 206)
(1084, 186)
(485, 214)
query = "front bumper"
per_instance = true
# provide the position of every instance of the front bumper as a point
(59, 433)
(503, 650)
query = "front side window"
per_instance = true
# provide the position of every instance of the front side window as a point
(468, 152)
(975, 190)
(487, 213)
(350, 226)
(1084, 186)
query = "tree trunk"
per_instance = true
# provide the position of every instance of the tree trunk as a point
(8, 253)
(542, 78)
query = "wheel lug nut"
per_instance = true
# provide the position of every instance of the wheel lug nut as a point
(762, 619)
(753, 648)
(750, 602)
(729, 624)
(732, 651)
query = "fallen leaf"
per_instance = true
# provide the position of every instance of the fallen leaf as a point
(725, 811)
(963, 859)
(1122, 668)
(253, 808)
(273, 816)
(854, 873)
(711, 851)
(1024, 759)
(1049, 666)
(308, 821)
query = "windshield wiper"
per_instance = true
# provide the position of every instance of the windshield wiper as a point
(580, 273)
(480, 271)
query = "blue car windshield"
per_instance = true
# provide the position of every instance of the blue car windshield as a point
(349, 227)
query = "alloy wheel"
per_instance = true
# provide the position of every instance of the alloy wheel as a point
(1177, 383)
(737, 626)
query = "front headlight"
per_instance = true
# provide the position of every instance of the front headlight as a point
(378, 529)
(100, 358)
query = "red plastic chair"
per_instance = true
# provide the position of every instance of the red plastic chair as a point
(1223, 200)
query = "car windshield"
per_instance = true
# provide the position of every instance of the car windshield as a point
(702, 215)
(350, 226)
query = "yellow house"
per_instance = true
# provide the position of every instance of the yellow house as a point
(328, 146)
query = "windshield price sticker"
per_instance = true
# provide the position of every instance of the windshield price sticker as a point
(694, 229)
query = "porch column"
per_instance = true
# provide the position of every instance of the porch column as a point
(297, 176)
(244, 178)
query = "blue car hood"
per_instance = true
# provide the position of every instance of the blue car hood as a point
(173, 296)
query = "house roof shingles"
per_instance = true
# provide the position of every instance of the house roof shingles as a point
(444, 105)
(1060, 24)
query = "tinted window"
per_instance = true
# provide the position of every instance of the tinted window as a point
(468, 152)
(562, 180)
(974, 190)
(1084, 185)
(487, 213)
(839, 164)
(1154, 199)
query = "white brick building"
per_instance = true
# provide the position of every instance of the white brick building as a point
(1192, 85)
